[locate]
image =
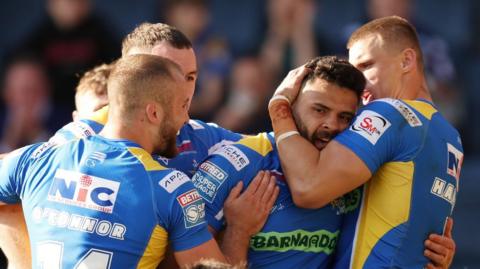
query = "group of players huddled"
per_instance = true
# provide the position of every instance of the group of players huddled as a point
(133, 182)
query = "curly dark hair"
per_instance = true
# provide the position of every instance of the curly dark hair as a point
(339, 71)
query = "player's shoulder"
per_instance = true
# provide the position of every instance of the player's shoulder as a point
(147, 161)
(198, 127)
(170, 181)
(380, 114)
(246, 151)
(81, 128)
(414, 112)
(74, 130)
(22, 153)
(262, 143)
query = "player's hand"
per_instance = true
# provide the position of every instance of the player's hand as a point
(440, 249)
(290, 86)
(247, 212)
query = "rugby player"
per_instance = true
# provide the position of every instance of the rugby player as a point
(292, 237)
(399, 143)
(80, 198)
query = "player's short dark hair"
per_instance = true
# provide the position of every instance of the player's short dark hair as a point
(147, 35)
(338, 71)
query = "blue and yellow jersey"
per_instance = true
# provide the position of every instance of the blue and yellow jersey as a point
(195, 141)
(101, 203)
(81, 128)
(292, 237)
(415, 158)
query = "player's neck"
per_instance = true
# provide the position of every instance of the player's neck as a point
(414, 87)
(113, 130)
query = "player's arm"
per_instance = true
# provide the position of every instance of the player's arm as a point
(181, 212)
(321, 176)
(217, 180)
(246, 213)
(208, 250)
(11, 169)
(13, 233)
(315, 178)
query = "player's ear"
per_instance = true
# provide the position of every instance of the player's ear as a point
(154, 113)
(409, 60)
(75, 115)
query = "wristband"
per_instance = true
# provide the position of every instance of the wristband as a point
(285, 136)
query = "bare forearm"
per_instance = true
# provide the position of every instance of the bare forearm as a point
(299, 174)
(235, 246)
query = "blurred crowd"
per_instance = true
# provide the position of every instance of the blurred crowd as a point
(244, 49)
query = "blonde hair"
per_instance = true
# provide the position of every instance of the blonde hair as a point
(95, 80)
(396, 32)
(141, 77)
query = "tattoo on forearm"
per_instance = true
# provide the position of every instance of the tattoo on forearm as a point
(280, 111)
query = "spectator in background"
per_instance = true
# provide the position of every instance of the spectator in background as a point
(439, 69)
(192, 18)
(70, 41)
(289, 42)
(245, 108)
(290, 38)
(27, 96)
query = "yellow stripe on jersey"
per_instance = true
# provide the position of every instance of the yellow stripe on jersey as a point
(100, 116)
(386, 205)
(155, 251)
(426, 109)
(146, 159)
(258, 143)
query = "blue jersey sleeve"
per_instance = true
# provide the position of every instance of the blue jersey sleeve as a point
(11, 176)
(181, 210)
(380, 134)
(218, 174)
(81, 128)
(212, 135)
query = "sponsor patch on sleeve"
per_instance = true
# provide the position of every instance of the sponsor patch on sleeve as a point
(80, 129)
(406, 112)
(234, 155)
(193, 208)
(208, 179)
(173, 180)
(370, 125)
(455, 159)
(195, 125)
